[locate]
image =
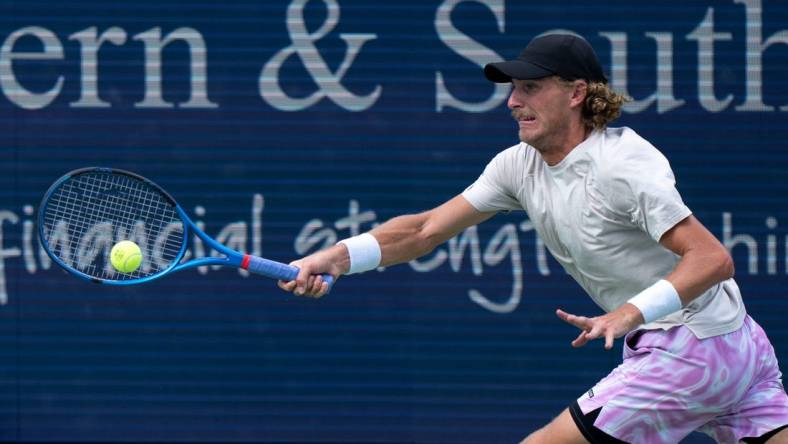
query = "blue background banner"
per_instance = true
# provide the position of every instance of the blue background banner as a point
(284, 126)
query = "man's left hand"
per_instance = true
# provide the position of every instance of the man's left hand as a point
(609, 326)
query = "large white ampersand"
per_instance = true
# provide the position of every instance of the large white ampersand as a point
(328, 82)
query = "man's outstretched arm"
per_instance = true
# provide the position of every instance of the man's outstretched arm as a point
(401, 239)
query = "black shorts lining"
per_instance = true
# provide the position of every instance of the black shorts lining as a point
(586, 425)
(765, 437)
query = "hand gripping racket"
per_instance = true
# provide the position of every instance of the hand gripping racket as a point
(87, 211)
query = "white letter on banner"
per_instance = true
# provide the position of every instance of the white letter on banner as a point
(52, 50)
(664, 96)
(303, 44)
(198, 77)
(470, 50)
(6, 215)
(705, 36)
(90, 43)
(504, 243)
(755, 48)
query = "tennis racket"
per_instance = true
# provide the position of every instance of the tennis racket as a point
(87, 211)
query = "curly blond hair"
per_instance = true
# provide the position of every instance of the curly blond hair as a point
(602, 105)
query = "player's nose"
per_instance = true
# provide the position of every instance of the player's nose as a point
(514, 101)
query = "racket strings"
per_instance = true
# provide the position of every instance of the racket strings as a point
(91, 212)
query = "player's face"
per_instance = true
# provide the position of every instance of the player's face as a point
(541, 108)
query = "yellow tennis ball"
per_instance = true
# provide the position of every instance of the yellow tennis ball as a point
(126, 256)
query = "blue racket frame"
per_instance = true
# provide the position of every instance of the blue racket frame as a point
(232, 258)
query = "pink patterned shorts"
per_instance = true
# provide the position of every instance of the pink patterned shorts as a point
(671, 383)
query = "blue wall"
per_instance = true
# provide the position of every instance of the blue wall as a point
(283, 144)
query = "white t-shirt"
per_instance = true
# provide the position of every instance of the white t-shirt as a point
(601, 212)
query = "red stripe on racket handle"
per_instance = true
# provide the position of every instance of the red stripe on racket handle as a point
(245, 261)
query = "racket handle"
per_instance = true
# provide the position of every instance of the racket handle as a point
(276, 270)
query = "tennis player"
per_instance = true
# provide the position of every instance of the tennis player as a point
(605, 203)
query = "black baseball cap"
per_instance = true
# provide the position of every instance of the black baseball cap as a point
(565, 55)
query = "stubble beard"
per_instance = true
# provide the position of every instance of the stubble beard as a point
(542, 140)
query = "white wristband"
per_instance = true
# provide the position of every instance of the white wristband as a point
(657, 301)
(364, 252)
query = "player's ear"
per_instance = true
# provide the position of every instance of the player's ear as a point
(579, 92)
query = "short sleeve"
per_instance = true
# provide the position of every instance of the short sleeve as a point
(495, 189)
(643, 189)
